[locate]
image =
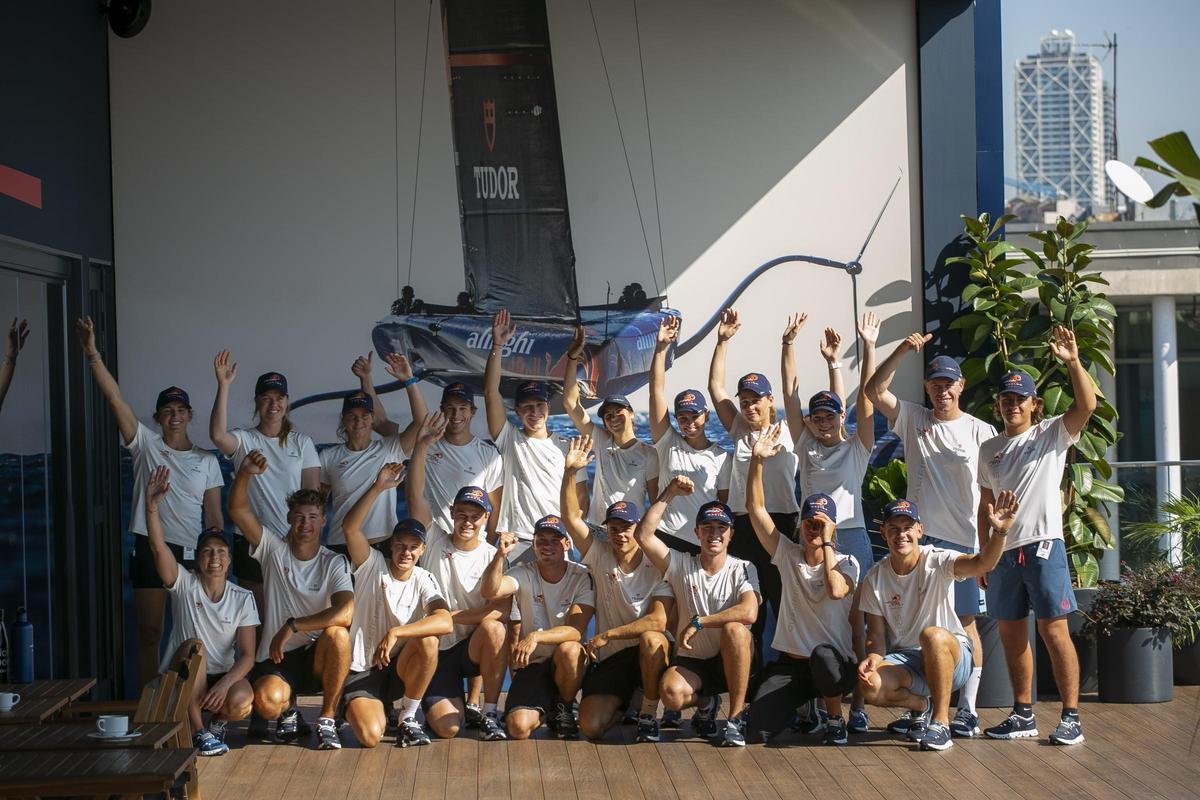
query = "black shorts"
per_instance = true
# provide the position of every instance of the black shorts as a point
(619, 675)
(212, 677)
(675, 543)
(533, 687)
(453, 667)
(376, 683)
(297, 669)
(245, 568)
(711, 672)
(142, 572)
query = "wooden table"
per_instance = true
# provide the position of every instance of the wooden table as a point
(92, 772)
(74, 736)
(70, 688)
(35, 709)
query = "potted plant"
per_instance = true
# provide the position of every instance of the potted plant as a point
(1134, 621)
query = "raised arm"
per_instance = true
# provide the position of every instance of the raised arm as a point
(660, 411)
(578, 456)
(495, 584)
(837, 585)
(878, 387)
(727, 409)
(218, 421)
(17, 334)
(361, 369)
(570, 397)
(127, 422)
(432, 429)
(255, 463)
(398, 367)
(357, 546)
(1065, 349)
(502, 330)
(756, 503)
(744, 612)
(213, 516)
(658, 553)
(1001, 515)
(787, 368)
(868, 331)
(830, 347)
(164, 560)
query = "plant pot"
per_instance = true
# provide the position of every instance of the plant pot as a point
(1135, 665)
(1085, 649)
(1187, 664)
(995, 688)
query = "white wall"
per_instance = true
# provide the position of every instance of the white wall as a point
(264, 158)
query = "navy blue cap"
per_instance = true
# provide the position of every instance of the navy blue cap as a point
(755, 382)
(1017, 383)
(624, 511)
(475, 496)
(825, 401)
(213, 533)
(172, 394)
(943, 367)
(714, 511)
(615, 400)
(410, 526)
(551, 522)
(532, 390)
(691, 400)
(901, 508)
(819, 504)
(460, 391)
(270, 381)
(358, 400)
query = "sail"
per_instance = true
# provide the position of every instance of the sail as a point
(511, 186)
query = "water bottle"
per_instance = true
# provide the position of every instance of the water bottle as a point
(3, 649)
(21, 658)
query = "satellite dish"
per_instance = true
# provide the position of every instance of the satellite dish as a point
(1129, 181)
(127, 17)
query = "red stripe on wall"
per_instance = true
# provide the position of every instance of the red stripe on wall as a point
(21, 186)
(497, 59)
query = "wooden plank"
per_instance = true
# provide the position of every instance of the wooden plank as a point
(214, 772)
(782, 777)
(462, 768)
(340, 767)
(277, 773)
(36, 709)
(683, 773)
(400, 776)
(77, 736)
(70, 688)
(713, 770)
(431, 771)
(307, 772)
(71, 772)
(743, 767)
(811, 771)
(250, 771)
(905, 764)
(493, 779)
(652, 773)
(524, 773)
(618, 770)
(561, 777)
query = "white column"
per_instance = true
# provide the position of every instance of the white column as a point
(1110, 560)
(1166, 408)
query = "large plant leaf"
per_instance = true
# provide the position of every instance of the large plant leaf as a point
(1176, 149)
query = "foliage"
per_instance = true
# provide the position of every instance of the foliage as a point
(1155, 596)
(1175, 149)
(1016, 295)
(885, 484)
(1179, 515)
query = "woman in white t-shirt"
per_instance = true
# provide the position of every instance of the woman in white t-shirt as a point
(195, 503)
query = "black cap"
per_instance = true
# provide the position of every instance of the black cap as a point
(269, 381)
(410, 526)
(213, 533)
(172, 394)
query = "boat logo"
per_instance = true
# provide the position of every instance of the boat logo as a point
(521, 344)
(489, 123)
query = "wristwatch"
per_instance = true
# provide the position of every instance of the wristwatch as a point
(695, 623)
(828, 544)
(291, 623)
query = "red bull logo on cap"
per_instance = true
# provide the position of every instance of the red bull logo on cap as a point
(1014, 379)
(621, 506)
(902, 505)
(550, 520)
(820, 503)
(688, 398)
(751, 377)
(473, 494)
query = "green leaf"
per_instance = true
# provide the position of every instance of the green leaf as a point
(983, 304)
(1025, 283)
(974, 339)
(1102, 306)
(1082, 478)
(1076, 250)
(1107, 492)
(1035, 327)
(1087, 447)
(1034, 257)
(1055, 401)
(969, 293)
(1176, 149)
(1086, 569)
(973, 226)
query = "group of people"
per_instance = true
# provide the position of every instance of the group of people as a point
(648, 588)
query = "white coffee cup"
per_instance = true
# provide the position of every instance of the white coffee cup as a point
(112, 724)
(8, 700)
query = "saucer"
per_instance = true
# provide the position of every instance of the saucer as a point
(124, 737)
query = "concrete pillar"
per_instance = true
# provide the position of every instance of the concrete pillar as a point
(1166, 409)
(1110, 560)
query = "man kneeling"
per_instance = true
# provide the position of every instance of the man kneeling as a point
(908, 599)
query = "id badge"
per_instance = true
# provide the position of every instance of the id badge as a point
(1044, 548)
(189, 554)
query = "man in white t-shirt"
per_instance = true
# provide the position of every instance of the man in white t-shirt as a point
(941, 455)
(630, 650)
(917, 650)
(554, 601)
(305, 644)
(1029, 457)
(399, 617)
(532, 456)
(206, 606)
(718, 600)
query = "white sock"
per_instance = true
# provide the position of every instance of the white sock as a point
(966, 695)
(489, 708)
(649, 707)
(408, 707)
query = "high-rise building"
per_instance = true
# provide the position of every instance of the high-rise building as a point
(1064, 120)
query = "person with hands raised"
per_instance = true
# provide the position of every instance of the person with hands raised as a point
(630, 650)
(305, 646)
(718, 600)
(193, 505)
(398, 367)
(206, 606)
(17, 334)
(1029, 457)
(399, 618)
(554, 600)
(813, 634)
(917, 650)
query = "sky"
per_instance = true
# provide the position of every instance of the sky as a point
(1158, 88)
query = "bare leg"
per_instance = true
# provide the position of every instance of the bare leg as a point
(1014, 635)
(238, 702)
(331, 663)
(150, 605)
(195, 716)
(570, 667)
(679, 688)
(889, 688)
(416, 664)
(475, 690)
(522, 722)
(488, 649)
(941, 652)
(272, 696)
(598, 713)
(367, 719)
(653, 655)
(736, 644)
(1063, 658)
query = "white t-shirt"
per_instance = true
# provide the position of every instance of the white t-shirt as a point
(779, 471)
(911, 603)
(381, 602)
(216, 624)
(449, 467)
(710, 470)
(1031, 465)
(269, 492)
(459, 574)
(697, 592)
(193, 472)
(349, 473)
(295, 588)
(942, 460)
(837, 471)
(544, 605)
(533, 471)
(809, 616)
(621, 473)
(621, 597)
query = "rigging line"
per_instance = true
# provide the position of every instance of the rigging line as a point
(412, 227)
(662, 254)
(396, 135)
(621, 134)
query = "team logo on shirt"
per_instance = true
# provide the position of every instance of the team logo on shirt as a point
(895, 602)
(199, 605)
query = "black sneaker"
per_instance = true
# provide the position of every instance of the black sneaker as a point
(411, 734)
(811, 719)
(257, 728)
(734, 734)
(630, 717)
(900, 724)
(704, 721)
(472, 716)
(835, 731)
(1015, 727)
(393, 721)
(490, 730)
(1068, 732)
(647, 729)
(671, 719)
(918, 724)
(327, 735)
(287, 727)
(965, 725)
(937, 737)
(566, 724)
(858, 723)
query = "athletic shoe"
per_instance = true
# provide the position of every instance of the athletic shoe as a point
(287, 727)
(858, 721)
(630, 717)
(937, 737)
(811, 719)
(411, 734)
(1015, 727)
(257, 728)
(393, 720)
(472, 716)
(1069, 731)
(900, 724)
(647, 729)
(207, 744)
(327, 735)
(490, 729)
(734, 734)
(566, 724)
(704, 721)
(671, 719)
(965, 725)
(218, 728)
(918, 724)
(303, 729)
(835, 731)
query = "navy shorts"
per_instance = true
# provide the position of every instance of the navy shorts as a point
(375, 683)
(454, 665)
(1022, 580)
(968, 600)
(913, 660)
(619, 676)
(533, 688)
(297, 669)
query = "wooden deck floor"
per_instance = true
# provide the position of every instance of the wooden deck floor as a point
(1150, 751)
